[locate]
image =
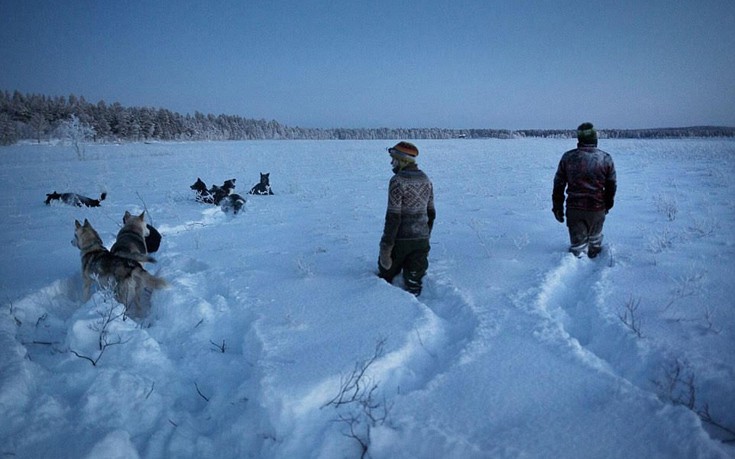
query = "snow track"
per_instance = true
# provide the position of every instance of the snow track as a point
(573, 303)
(567, 299)
(438, 342)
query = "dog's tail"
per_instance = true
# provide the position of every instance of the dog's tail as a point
(139, 257)
(143, 285)
(103, 196)
(149, 281)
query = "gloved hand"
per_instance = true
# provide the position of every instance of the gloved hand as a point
(559, 215)
(385, 259)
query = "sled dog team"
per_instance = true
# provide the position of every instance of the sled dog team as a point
(223, 195)
(121, 268)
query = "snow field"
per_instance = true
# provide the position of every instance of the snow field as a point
(515, 348)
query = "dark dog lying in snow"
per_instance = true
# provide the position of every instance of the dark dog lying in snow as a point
(228, 200)
(153, 240)
(130, 239)
(202, 193)
(74, 199)
(264, 187)
(219, 195)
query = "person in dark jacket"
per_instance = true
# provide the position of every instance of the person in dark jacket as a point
(409, 219)
(588, 176)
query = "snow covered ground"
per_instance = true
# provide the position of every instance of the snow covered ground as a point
(516, 349)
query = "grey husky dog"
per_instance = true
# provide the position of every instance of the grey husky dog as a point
(132, 285)
(131, 239)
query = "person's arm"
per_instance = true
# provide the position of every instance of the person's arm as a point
(611, 187)
(431, 210)
(392, 216)
(557, 195)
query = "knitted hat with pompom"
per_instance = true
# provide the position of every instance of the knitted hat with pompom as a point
(405, 151)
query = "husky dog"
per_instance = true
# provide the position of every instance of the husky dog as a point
(264, 187)
(74, 199)
(130, 242)
(203, 194)
(230, 201)
(233, 202)
(133, 285)
(219, 193)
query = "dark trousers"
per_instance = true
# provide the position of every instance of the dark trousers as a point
(585, 231)
(411, 257)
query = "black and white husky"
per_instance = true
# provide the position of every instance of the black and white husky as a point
(219, 195)
(74, 199)
(228, 200)
(202, 192)
(264, 187)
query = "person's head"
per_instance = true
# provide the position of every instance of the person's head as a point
(403, 154)
(586, 134)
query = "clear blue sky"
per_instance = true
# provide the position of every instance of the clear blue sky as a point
(512, 64)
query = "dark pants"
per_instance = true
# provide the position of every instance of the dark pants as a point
(585, 231)
(411, 257)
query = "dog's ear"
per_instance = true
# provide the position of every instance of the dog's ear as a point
(77, 224)
(142, 215)
(86, 222)
(126, 216)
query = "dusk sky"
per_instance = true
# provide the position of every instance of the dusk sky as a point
(515, 64)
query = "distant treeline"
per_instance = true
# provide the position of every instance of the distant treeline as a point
(42, 118)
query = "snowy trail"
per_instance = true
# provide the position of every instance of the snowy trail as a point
(215, 350)
(571, 301)
(567, 300)
(443, 329)
(436, 343)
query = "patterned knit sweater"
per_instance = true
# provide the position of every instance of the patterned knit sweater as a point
(411, 213)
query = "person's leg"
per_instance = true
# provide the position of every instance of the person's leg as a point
(578, 232)
(596, 221)
(415, 266)
(389, 274)
(398, 256)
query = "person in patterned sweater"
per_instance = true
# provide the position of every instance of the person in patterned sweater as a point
(408, 220)
(588, 175)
